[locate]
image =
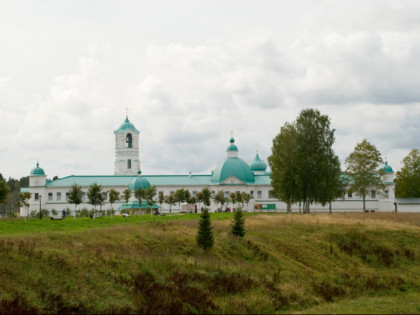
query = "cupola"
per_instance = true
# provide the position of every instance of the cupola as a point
(258, 165)
(387, 168)
(139, 182)
(37, 171)
(232, 149)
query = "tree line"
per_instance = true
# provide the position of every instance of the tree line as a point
(96, 197)
(306, 170)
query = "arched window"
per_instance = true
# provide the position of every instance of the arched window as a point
(129, 141)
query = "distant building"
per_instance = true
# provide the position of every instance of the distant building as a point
(230, 175)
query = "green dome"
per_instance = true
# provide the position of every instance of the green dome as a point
(37, 170)
(232, 146)
(387, 168)
(139, 182)
(258, 164)
(127, 126)
(232, 167)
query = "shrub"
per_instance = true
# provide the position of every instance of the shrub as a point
(12, 214)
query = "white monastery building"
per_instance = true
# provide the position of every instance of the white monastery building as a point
(230, 175)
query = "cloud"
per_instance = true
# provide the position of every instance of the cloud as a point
(356, 62)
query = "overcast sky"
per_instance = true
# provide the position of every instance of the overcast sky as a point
(191, 72)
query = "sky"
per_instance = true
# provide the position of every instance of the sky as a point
(192, 71)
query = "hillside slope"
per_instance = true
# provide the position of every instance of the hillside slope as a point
(343, 263)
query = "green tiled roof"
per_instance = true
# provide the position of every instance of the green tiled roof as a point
(158, 180)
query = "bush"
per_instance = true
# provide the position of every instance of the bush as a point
(12, 214)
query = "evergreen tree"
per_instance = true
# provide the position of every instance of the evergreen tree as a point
(205, 234)
(238, 226)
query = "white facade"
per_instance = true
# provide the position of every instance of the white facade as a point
(226, 177)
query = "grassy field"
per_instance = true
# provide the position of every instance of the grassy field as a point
(341, 263)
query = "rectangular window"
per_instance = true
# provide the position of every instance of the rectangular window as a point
(67, 196)
(58, 196)
(252, 194)
(172, 193)
(194, 193)
(129, 164)
(386, 194)
(349, 194)
(213, 193)
(271, 195)
(49, 196)
(373, 194)
(259, 194)
(227, 194)
(83, 196)
(104, 195)
(36, 196)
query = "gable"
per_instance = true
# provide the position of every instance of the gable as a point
(232, 180)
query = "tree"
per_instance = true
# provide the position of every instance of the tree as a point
(301, 157)
(246, 198)
(238, 226)
(180, 196)
(205, 231)
(127, 193)
(149, 196)
(23, 201)
(407, 181)
(232, 196)
(4, 191)
(199, 197)
(364, 167)
(75, 196)
(206, 196)
(113, 197)
(161, 198)
(219, 198)
(284, 169)
(239, 198)
(139, 194)
(95, 196)
(170, 200)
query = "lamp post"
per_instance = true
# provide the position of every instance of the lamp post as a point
(40, 197)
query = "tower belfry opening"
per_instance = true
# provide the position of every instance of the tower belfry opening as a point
(129, 141)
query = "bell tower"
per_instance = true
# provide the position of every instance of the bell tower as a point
(126, 149)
